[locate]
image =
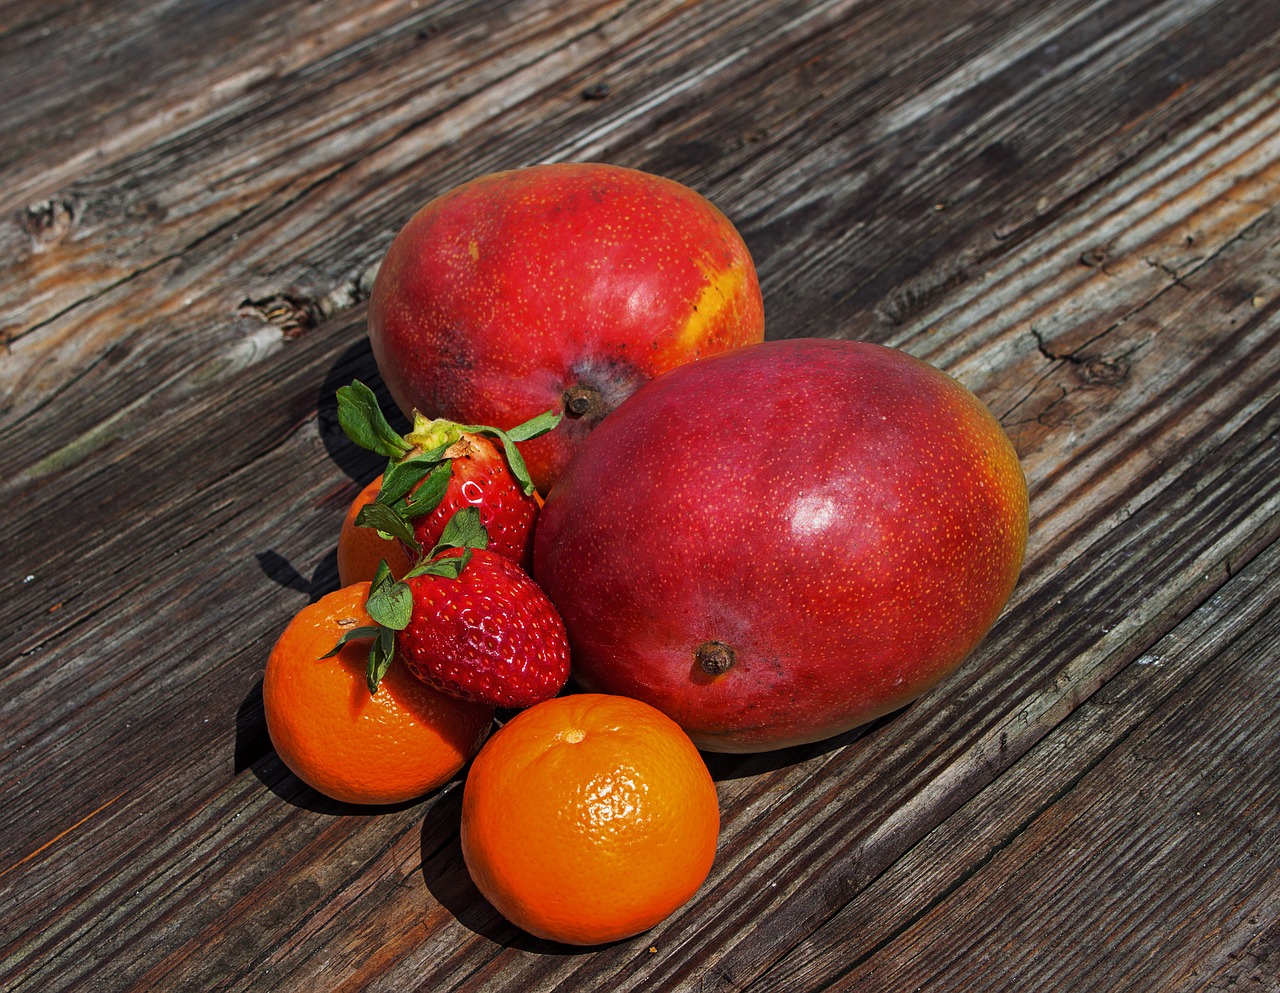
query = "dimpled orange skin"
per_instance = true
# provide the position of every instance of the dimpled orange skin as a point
(361, 549)
(502, 294)
(588, 819)
(396, 745)
(847, 519)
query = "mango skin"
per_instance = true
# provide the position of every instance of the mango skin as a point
(502, 294)
(849, 520)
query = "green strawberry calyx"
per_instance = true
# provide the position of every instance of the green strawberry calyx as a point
(390, 600)
(420, 463)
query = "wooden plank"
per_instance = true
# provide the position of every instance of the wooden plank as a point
(159, 232)
(87, 84)
(281, 264)
(1111, 761)
(1189, 794)
(264, 193)
(125, 398)
(839, 851)
(230, 363)
(196, 868)
(953, 168)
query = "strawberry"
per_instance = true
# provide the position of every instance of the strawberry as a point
(480, 478)
(441, 466)
(490, 636)
(468, 622)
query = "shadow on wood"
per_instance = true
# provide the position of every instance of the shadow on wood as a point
(726, 766)
(355, 362)
(252, 741)
(280, 570)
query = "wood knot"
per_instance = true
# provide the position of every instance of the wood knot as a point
(1095, 258)
(1104, 372)
(46, 223)
(293, 315)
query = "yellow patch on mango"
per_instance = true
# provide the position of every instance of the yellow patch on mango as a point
(722, 288)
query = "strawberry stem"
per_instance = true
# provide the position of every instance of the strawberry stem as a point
(413, 456)
(390, 600)
(428, 434)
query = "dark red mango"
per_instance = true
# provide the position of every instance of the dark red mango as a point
(785, 541)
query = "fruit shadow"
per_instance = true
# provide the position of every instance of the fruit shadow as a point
(283, 572)
(355, 362)
(730, 765)
(448, 881)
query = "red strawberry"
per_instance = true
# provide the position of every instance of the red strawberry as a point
(467, 621)
(490, 635)
(441, 467)
(482, 479)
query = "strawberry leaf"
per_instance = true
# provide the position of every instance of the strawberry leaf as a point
(361, 418)
(450, 568)
(464, 530)
(355, 634)
(385, 602)
(427, 497)
(391, 605)
(381, 575)
(400, 477)
(388, 523)
(518, 468)
(535, 427)
(381, 654)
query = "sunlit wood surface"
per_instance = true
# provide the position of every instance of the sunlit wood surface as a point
(1071, 205)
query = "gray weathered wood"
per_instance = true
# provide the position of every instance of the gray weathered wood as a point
(1070, 206)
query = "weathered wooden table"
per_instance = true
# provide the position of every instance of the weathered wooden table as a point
(1071, 205)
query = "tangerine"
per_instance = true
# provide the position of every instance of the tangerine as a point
(361, 549)
(589, 818)
(387, 747)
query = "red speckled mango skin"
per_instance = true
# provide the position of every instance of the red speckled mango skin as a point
(504, 292)
(847, 518)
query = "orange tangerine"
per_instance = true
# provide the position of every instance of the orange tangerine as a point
(394, 745)
(361, 549)
(589, 818)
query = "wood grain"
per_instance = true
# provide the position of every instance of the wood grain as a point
(137, 74)
(1129, 757)
(1070, 206)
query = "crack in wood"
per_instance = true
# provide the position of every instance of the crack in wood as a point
(1168, 270)
(60, 835)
